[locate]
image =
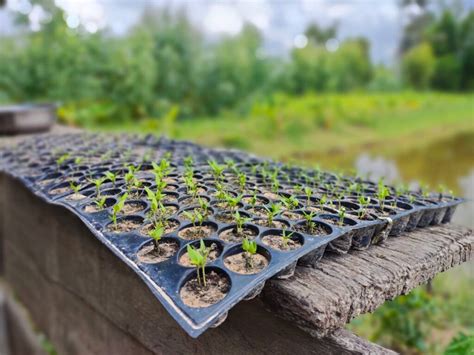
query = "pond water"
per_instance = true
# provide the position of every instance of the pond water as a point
(449, 162)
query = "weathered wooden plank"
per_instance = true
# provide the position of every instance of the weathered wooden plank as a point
(88, 301)
(340, 288)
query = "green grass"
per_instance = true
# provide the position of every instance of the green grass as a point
(326, 128)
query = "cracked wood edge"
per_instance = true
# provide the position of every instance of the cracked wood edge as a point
(324, 299)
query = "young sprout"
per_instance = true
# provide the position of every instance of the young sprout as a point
(290, 202)
(100, 202)
(188, 162)
(98, 183)
(157, 234)
(253, 199)
(204, 206)
(233, 202)
(275, 208)
(364, 202)
(242, 178)
(323, 200)
(342, 214)
(308, 216)
(118, 207)
(382, 193)
(111, 176)
(130, 178)
(250, 248)
(62, 159)
(74, 187)
(198, 258)
(285, 236)
(195, 217)
(78, 160)
(155, 203)
(216, 170)
(239, 222)
(308, 192)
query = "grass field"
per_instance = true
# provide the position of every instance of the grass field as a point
(329, 129)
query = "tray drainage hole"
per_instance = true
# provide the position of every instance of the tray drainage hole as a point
(283, 240)
(193, 232)
(194, 294)
(215, 250)
(242, 262)
(153, 253)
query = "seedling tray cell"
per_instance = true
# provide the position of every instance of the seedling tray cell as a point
(223, 198)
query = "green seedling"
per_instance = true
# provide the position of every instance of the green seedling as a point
(308, 216)
(74, 187)
(272, 211)
(157, 233)
(196, 217)
(78, 160)
(242, 178)
(323, 200)
(240, 222)
(111, 176)
(233, 202)
(204, 206)
(250, 249)
(118, 207)
(364, 202)
(188, 162)
(290, 202)
(285, 236)
(62, 159)
(198, 258)
(100, 202)
(382, 193)
(98, 183)
(216, 170)
(308, 193)
(342, 215)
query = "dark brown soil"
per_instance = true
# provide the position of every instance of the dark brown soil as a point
(277, 242)
(151, 255)
(197, 232)
(317, 230)
(315, 209)
(213, 255)
(132, 207)
(245, 263)
(171, 226)
(195, 295)
(230, 235)
(124, 226)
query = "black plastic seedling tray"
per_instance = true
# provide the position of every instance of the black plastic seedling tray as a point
(47, 164)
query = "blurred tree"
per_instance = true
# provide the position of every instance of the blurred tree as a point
(318, 35)
(418, 66)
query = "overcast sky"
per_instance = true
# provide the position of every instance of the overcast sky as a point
(381, 21)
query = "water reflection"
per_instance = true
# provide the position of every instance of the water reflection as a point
(449, 162)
